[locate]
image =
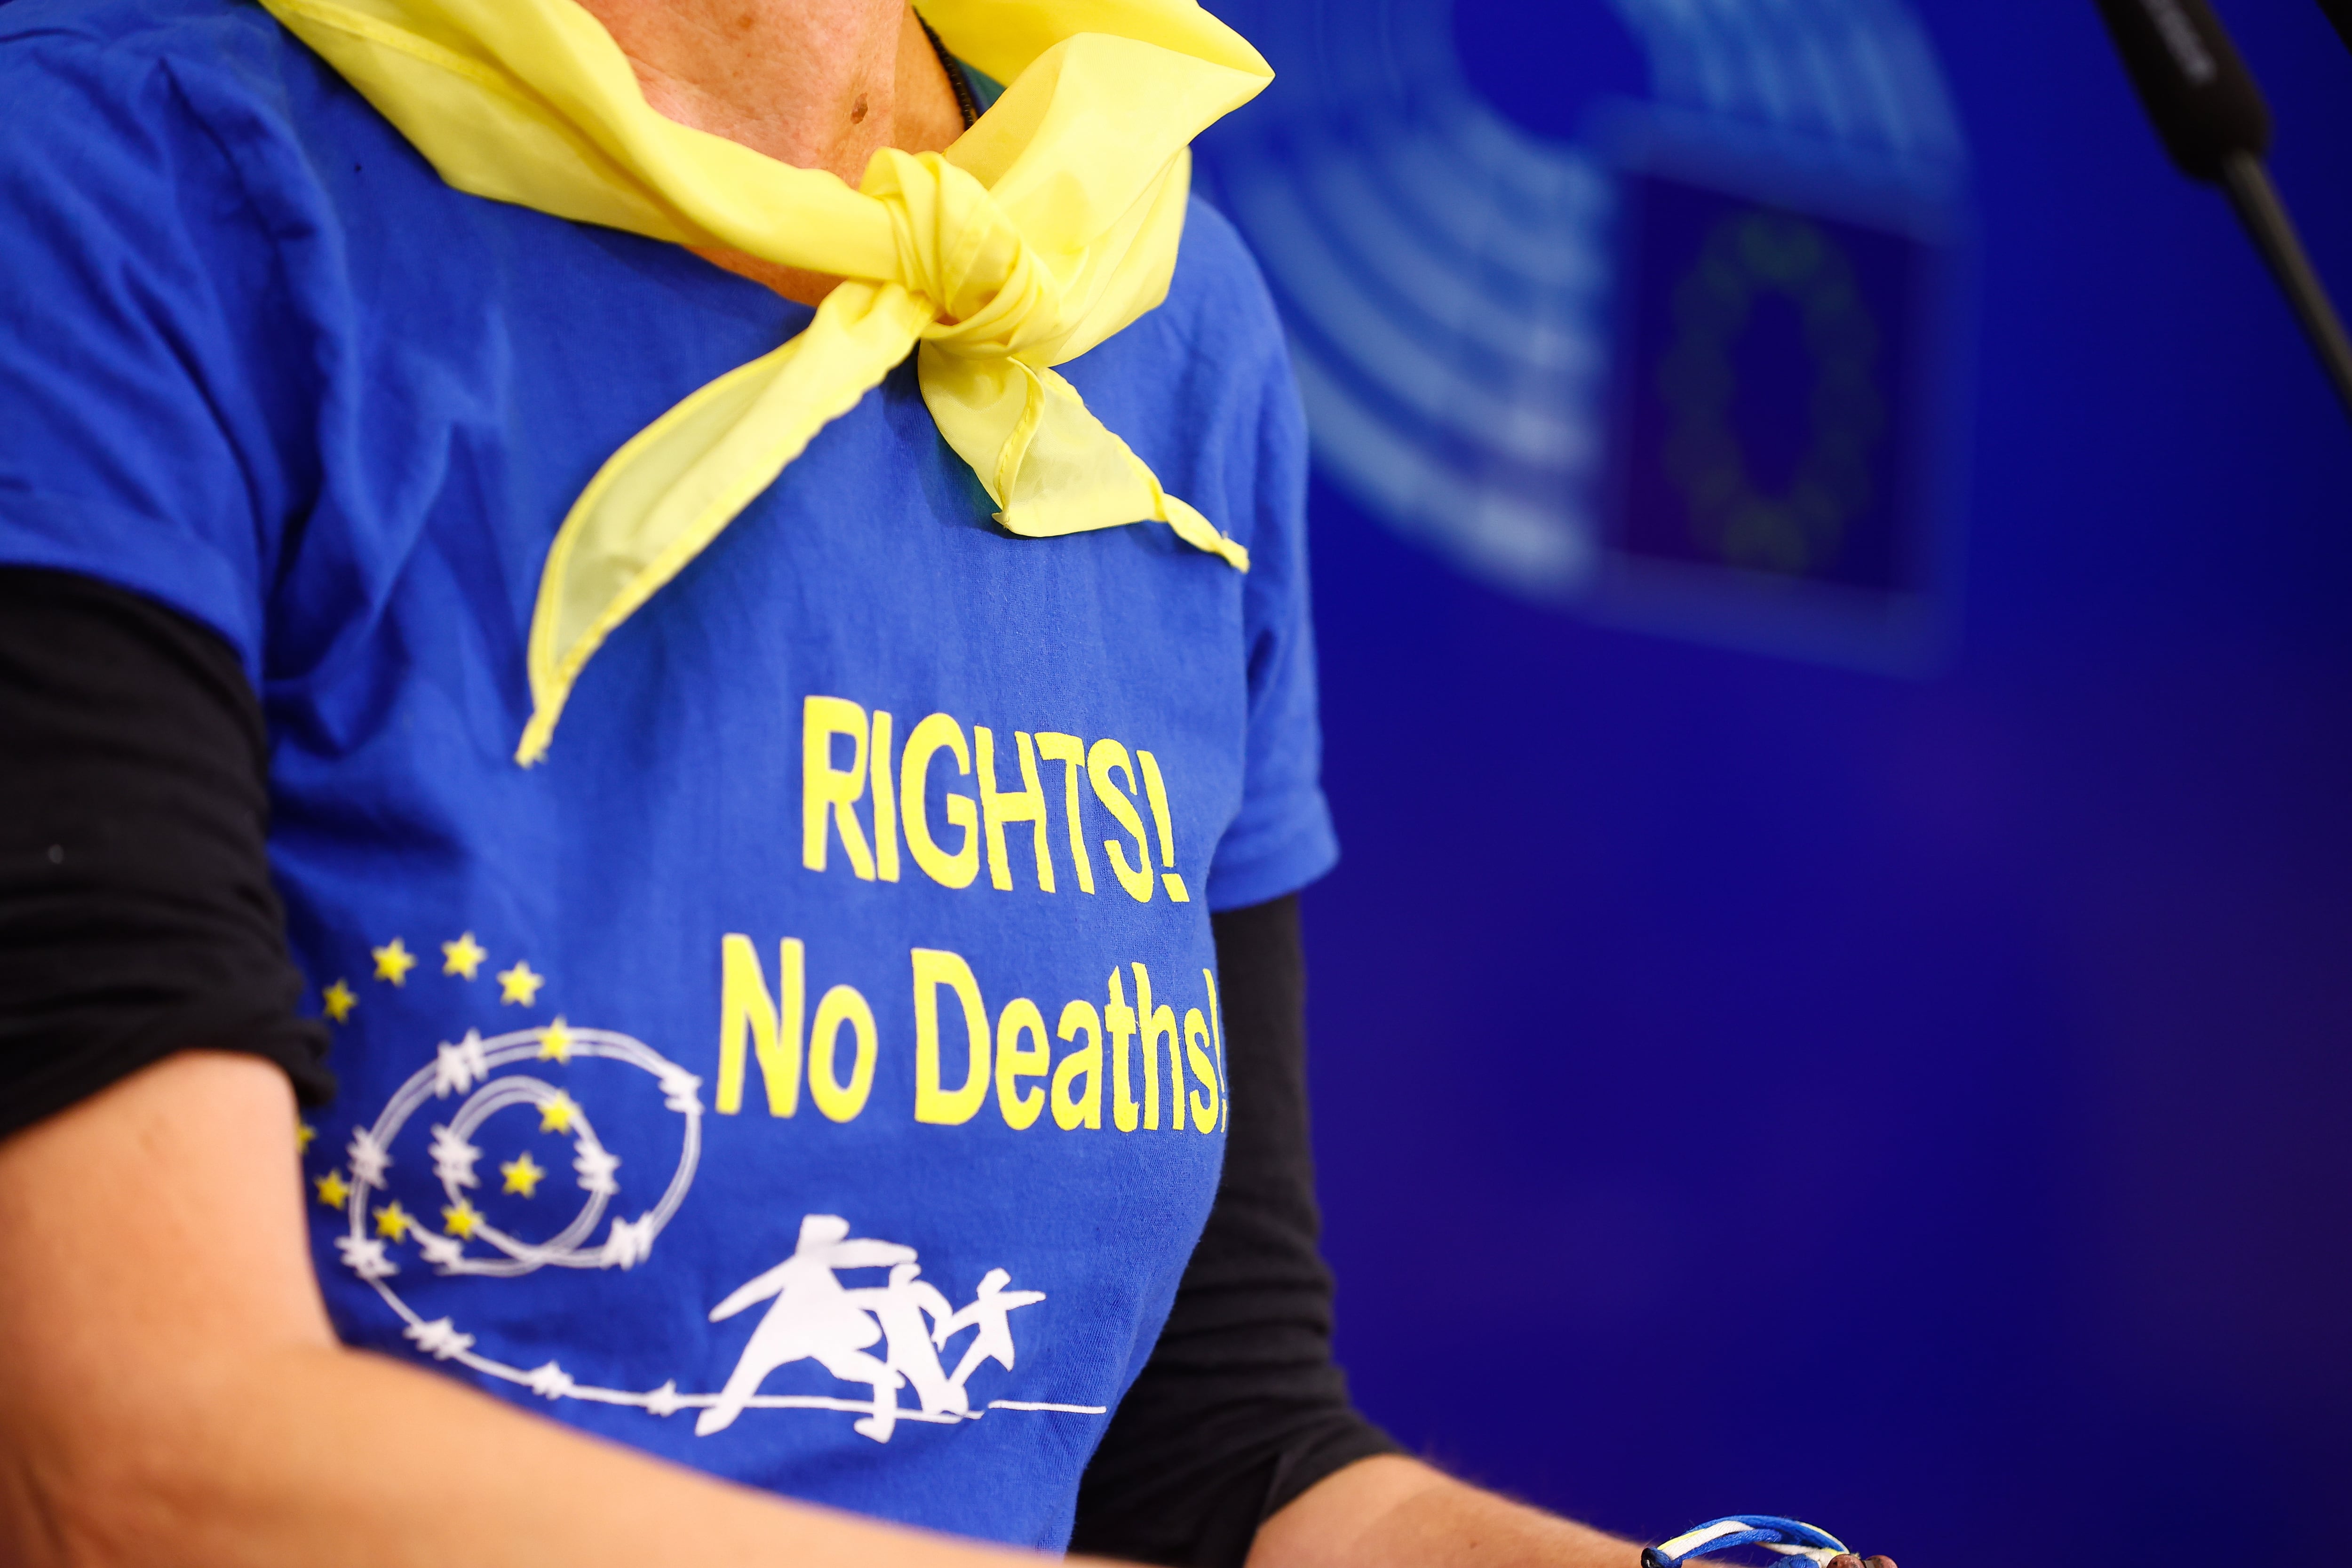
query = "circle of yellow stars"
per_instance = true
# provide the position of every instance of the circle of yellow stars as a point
(517, 987)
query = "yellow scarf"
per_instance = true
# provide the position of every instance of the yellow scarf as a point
(1046, 228)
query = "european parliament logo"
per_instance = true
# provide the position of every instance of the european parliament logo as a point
(1683, 362)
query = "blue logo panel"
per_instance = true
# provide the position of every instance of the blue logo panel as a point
(1481, 307)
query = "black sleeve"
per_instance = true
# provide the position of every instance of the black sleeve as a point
(1241, 1407)
(136, 911)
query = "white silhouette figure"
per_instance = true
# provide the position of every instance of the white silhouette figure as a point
(901, 1307)
(988, 1312)
(814, 1319)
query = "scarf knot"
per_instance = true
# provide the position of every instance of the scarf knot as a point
(962, 255)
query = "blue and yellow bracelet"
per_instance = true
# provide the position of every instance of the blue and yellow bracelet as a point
(1787, 1537)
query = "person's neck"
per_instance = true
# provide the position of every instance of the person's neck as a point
(817, 83)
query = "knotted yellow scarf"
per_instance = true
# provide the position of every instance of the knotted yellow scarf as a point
(1046, 228)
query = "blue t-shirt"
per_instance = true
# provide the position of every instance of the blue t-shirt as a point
(813, 1072)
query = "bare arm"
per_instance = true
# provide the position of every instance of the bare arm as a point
(171, 1391)
(1394, 1512)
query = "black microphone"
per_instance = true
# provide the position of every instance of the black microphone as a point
(2340, 13)
(2214, 123)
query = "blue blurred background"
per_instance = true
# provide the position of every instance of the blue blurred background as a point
(1900, 1086)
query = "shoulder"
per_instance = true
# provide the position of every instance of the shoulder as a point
(195, 142)
(1211, 356)
(159, 373)
(1201, 389)
(118, 46)
(134, 120)
(1213, 250)
(157, 150)
(1218, 297)
(163, 100)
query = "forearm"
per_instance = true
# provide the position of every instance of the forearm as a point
(324, 1455)
(1394, 1512)
(171, 1394)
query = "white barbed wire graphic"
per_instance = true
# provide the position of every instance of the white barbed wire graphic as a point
(815, 1317)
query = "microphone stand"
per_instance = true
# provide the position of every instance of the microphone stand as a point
(2267, 220)
(2213, 121)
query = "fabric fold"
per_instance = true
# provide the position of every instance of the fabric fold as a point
(1048, 226)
